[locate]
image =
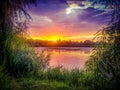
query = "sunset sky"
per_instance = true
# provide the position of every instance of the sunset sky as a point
(66, 19)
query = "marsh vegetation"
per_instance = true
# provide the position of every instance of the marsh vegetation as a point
(22, 68)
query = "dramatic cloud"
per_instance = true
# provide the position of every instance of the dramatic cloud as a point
(67, 18)
(74, 8)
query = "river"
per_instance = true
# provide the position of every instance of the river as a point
(67, 57)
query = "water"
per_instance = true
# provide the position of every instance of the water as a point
(67, 57)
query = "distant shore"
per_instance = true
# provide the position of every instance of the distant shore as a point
(41, 43)
(63, 46)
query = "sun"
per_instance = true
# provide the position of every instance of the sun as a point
(54, 40)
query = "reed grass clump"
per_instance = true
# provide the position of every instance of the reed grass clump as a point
(6, 82)
(74, 78)
(104, 63)
(23, 60)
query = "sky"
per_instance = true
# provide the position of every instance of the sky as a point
(75, 20)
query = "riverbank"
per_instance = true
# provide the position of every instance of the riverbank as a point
(53, 79)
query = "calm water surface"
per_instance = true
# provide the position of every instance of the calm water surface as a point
(67, 57)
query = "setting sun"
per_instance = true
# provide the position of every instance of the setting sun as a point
(53, 38)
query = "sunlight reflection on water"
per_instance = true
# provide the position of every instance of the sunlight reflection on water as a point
(67, 57)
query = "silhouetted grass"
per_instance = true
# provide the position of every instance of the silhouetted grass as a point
(23, 60)
(104, 62)
(59, 79)
(6, 82)
(52, 78)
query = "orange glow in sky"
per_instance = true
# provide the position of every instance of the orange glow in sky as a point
(55, 38)
(76, 21)
(56, 33)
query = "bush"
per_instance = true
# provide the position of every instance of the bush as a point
(104, 63)
(6, 83)
(24, 60)
(77, 79)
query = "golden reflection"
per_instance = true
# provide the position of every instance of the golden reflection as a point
(68, 57)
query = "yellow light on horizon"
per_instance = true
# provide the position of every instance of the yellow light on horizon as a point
(55, 38)
(49, 38)
(89, 36)
(36, 38)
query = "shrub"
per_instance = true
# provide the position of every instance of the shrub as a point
(6, 83)
(104, 63)
(24, 60)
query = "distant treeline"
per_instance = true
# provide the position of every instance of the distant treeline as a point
(59, 43)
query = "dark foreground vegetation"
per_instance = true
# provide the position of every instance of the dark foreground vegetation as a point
(22, 68)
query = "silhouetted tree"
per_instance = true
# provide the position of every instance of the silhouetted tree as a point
(105, 60)
(10, 13)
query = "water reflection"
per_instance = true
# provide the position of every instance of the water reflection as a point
(67, 57)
